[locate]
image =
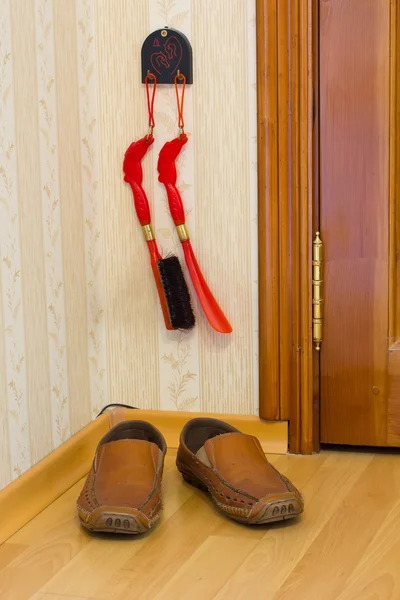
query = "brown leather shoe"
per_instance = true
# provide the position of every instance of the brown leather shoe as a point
(232, 467)
(122, 493)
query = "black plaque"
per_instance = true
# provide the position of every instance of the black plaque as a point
(166, 52)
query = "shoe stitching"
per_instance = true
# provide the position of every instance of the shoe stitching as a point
(211, 444)
(101, 452)
(260, 450)
(233, 510)
(283, 479)
(157, 481)
(149, 497)
(156, 507)
(81, 509)
(153, 460)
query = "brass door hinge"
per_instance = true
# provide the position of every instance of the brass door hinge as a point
(317, 291)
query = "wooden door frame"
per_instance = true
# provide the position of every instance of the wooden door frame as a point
(288, 211)
(287, 74)
(394, 178)
(394, 233)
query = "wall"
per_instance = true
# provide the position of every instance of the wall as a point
(79, 321)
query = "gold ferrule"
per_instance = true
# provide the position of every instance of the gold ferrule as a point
(182, 233)
(148, 233)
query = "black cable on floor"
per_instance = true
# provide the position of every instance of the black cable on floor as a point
(115, 406)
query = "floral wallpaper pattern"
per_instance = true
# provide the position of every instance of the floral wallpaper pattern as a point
(14, 389)
(51, 216)
(81, 327)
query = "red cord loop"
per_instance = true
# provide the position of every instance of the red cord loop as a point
(150, 100)
(180, 100)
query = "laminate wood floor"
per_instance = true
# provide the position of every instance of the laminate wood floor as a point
(346, 546)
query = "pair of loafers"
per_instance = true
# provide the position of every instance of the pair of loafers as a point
(122, 492)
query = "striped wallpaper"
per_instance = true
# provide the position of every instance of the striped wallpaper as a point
(80, 325)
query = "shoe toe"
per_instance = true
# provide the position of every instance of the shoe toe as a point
(117, 520)
(272, 508)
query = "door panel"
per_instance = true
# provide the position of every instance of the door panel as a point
(360, 401)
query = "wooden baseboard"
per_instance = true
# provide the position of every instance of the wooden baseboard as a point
(273, 435)
(26, 497)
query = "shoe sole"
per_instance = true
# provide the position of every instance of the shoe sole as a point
(114, 521)
(276, 509)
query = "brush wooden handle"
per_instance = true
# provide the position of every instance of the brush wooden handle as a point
(132, 168)
(154, 258)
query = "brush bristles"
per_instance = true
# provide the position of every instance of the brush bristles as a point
(176, 293)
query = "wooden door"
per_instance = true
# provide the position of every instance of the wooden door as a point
(359, 221)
